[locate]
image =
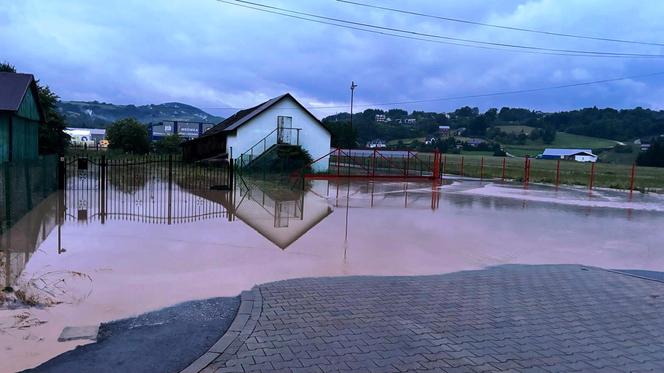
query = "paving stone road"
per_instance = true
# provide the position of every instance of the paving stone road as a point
(558, 318)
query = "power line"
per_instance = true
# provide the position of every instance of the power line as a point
(550, 33)
(277, 10)
(480, 95)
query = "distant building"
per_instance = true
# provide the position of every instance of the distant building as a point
(578, 155)
(444, 131)
(376, 144)
(459, 131)
(86, 136)
(185, 129)
(474, 142)
(410, 121)
(20, 116)
(380, 118)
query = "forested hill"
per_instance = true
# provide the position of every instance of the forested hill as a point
(622, 125)
(99, 114)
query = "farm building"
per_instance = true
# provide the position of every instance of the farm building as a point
(579, 155)
(20, 116)
(250, 133)
(86, 136)
(185, 129)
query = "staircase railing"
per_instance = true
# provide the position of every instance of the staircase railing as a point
(275, 137)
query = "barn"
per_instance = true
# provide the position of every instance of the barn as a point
(579, 155)
(252, 132)
(20, 117)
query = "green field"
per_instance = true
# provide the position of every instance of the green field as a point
(563, 140)
(406, 141)
(615, 176)
(516, 129)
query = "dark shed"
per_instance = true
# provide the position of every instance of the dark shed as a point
(20, 116)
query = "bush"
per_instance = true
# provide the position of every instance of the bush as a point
(168, 144)
(128, 135)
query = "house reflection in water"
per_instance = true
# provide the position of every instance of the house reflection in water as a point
(279, 213)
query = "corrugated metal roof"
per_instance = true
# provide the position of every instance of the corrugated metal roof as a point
(13, 87)
(565, 152)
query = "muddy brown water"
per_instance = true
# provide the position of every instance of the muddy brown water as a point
(139, 252)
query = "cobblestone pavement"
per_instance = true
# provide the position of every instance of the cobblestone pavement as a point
(559, 318)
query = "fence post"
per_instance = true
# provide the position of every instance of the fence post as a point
(102, 165)
(631, 179)
(592, 176)
(61, 172)
(170, 187)
(525, 172)
(502, 178)
(338, 160)
(373, 164)
(406, 169)
(102, 189)
(558, 174)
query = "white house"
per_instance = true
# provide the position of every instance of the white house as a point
(250, 132)
(579, 155)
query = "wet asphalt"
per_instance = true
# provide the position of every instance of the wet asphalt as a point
(167, 340)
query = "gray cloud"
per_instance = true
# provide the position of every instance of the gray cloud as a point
(210, 54)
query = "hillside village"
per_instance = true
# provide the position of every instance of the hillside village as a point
(617, 136)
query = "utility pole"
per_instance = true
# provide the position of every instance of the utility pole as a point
(352, 96)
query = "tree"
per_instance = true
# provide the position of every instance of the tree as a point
(478, 126)
(52, 136)
(168, 144)
(6, 67)
(129, 136)
(342, 135)
(653, 157)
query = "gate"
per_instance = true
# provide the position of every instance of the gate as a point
(374, 164)
(137, 172)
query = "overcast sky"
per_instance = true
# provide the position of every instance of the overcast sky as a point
(214, 55)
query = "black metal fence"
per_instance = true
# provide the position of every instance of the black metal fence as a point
(23, 184)
(133, 173)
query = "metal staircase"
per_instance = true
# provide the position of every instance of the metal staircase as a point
(279, 137)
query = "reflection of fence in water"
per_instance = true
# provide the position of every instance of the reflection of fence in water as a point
(154, 203)
(402, 194)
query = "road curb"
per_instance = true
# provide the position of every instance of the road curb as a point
(246, 318)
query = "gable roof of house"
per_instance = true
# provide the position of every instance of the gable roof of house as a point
(566, 152)
(238, 119)
(13, 87)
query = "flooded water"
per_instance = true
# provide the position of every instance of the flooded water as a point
(138, 250)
